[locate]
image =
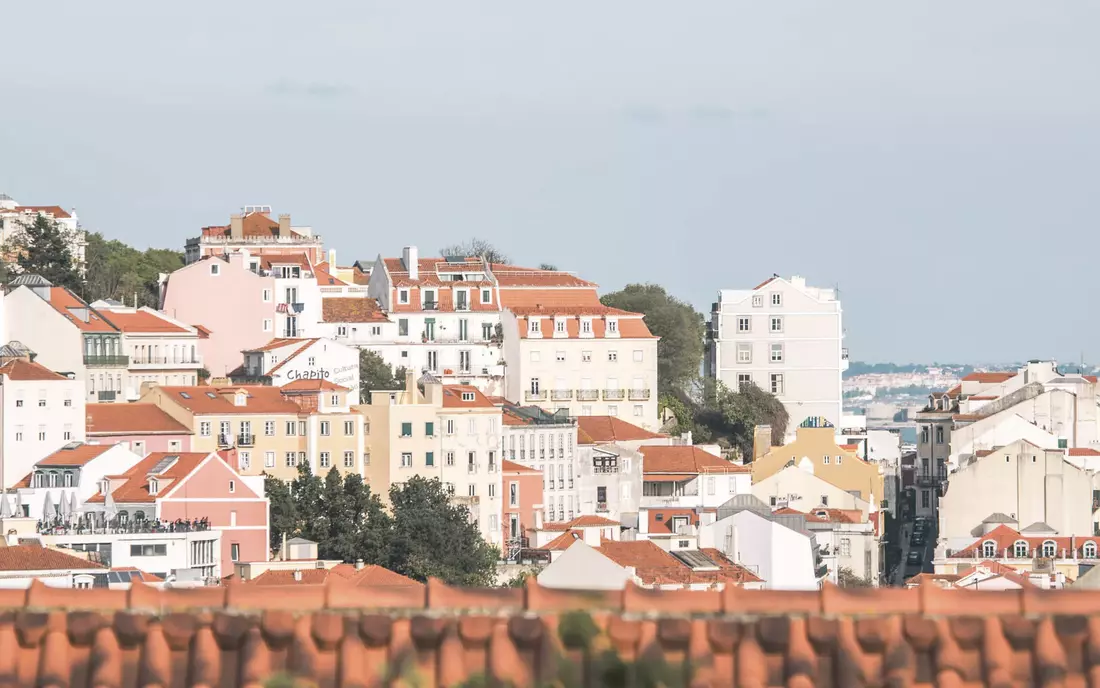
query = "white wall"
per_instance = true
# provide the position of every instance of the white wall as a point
(63, 412)
(779, 555)
(803, 491)
(58, 344)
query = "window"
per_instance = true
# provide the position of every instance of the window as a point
(777, 353)
(269, 459)
(559, 326)
(403, 327)
(925, 499)
(744, 380)
(406, 459)
(586, 326)
(325, 428)
(777, 324)
(1020, 549)
(463, 330)
(68, 402)
(1089, 550)
(68, 432)
(777, 299)
(559, 356)
(429, 458)
(349, 427)
(710, 486)
(326, 460)
(449, 458)
(612, 356)
(1050, 549)
(204, 428)
(42, 399)
(492, 490)
(215, 269)
(402, 295)
(376, 330)
(744, 352)
(534, 325)
(826, 460)
(471, 427)
(744, 324)
(148, 550)
(757, 300)
(638, 410)
(450, 426)
(464, 361)
(471, 489)
(429, 429)
(486, 330)
(989, 549)
(534, 386)
(366, 458)
(267, 324)
(777, 383)
(939, 434)
(433, 360)
(406, 429)
(536, 356)
(513, 494)
(244, 462)
(824, 500)
(612, 410)
(845, 545)
(486, 296)
(613, 326)
(41, 433)
(291, 459)
(269, 428)
(235, 552)
(586, 357)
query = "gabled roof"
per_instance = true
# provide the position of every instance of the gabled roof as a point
(1004, 538)
(131, 419)
(342, 574)
(136, 488)
(989, 378)
(142, 321)
(351, 309)
(507, 466)
(37, 558)
(25, 371)
(56, 211)
(207, 400)
(598, 429)
(313, 386)
(685, 460)
(465, 396)
(76, 311)
(516, 276)
(281, 342)
(75, 454)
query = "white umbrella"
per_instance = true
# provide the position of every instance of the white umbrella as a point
(5, 505)
(47, 508)
(18, 503)
(74, 506)
(64, 507)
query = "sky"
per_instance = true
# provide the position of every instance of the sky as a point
(936, 161)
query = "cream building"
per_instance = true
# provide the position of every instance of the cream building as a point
(797, 487)
(786, 338)
(448, 432)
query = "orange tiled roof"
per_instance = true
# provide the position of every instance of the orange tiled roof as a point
(38, 558)
(786, 510)
(142, 321)
(1005, 537)
(687, 460)
(203, 332)
(136, 488)
(512, 467)
(206, 400)
(610, 429)
(73, 308)
(131, 419)
(1083, 451)
(23, 370)
(324, 276)
(340, 636)
(849, 447)
(654, 566)
(313, 386)
(632, 327)
(988, 378)
(660, 520)
(77, 456)
(252, 225)
(57, 211)
(280, 342)
(516, 276)
(549, 299)
(563, 541)
(954, 391)
(349, 309)
(452, 397)
(342, 574)
(765, 283)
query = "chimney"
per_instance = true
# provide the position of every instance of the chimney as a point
(358, 564)
(410, 386)
(284, 225)
(411, 260)
(331, 259)
(236, 226)
(298, 575)
(761, 441)
(591, 536)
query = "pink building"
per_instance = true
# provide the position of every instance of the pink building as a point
(144, 426)
(191, 486)
(230, 299)
(522, 487)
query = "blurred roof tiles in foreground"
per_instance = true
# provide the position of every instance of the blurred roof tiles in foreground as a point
(432, 635)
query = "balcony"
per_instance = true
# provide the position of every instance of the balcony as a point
(252, 380)
(601, 507)
(165, 362)
(430, 306)
(588, 394)
(639, 395)
(225, 440)
(246, 440)
(930, 479)
(614, 394)
(106, 361)
(462, 306)
(532, 395)
(561, 394)
(106, 395)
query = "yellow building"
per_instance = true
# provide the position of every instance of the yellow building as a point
(815, 440)
(272, 429)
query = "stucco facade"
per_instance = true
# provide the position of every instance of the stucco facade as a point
(281, 361)
(797, 487)
(522, 500)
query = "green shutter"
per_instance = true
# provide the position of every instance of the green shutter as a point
(429, 429)
(429, 459)
(406, 429)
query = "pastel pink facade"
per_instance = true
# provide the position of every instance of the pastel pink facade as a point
(226, 297)
(216, 492)
(522, 488)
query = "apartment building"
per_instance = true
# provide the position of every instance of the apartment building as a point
(190, 486)
(272, 429)
(609, 469)
(785, 337)
(545, 442)
(160, 349)
(143, 427)
(15, 218)
(40, 411)
(798, 488)
(1037, 555)
(448, 432)
(254, 231)
(447, 312)
(282, 361)
(523, 492)
(847, 539)
(70, 475)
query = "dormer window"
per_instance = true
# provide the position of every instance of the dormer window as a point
(334, 400)
(586, 326)
(989, 549)
(1020, 549)
(154, 486)
(467, 396)
(402, 295)
(613, 326)
(535, 325)
(240, 399)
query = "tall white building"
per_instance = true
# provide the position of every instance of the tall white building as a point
(14, 218)
(785, 337)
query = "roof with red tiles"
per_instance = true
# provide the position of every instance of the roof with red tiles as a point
(135, 489)
(989, 378)
(788, 511)
(204, 333)
(685, 460)
(236, 635)
(142, 321)
(1004, 537)
(254, 224)
(351, 309)
(77, 311)
(131, 419)
(849, 447)
(628, 326)
(516, 276)
(465, 396)
(323, 274)
(313, 386)
(512, 467)
(282, 342)
(38, 558)
(563, 541)
(765, 283)
(654, 566)
(839, 515)
(56, 211)
(661, 520)
(954, 391)
(346, 574)
(206, 400)
(76, 455)
(1083, 451)
(598, 429)
(26, 371)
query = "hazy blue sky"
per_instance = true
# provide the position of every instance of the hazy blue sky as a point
(936, 160)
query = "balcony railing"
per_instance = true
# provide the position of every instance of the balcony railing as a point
(165, 361)
(225, 440)
(430, 306)
(252, 380)
(588, 394)
(639, 395)
(462, 306)
(601, 507)
(246, 440)
(561, 394)
(930, 479)
(95, 360)
(107, 395)
(532, 395)
(614, 394)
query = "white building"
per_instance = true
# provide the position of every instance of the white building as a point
(74, 469)
(253, 230)
(14, 218)
(40, 411)
(796, 487)
(786, 338)
(281, 361)
(847, 540)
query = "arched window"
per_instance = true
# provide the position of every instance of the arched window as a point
(39, 480)
(68, 479)
(1020, 549)
(1089, 550)
(989, 549)
(139, 515)
(53, 480)
(1049, 548)
(192, 359)
(123, 517)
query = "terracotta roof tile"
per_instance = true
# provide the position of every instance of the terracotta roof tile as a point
(203, 332)
(685, 459)
(465, 396)
(78, 455)
(507, 466)
(610, 429)
(1083, 451)
(23, 370)
(370, 576)
(324, 276)
(339, 636)
(142, 321)
(515, 276)
(57, 211)
(350, 309)
(1005, 537)
(131, 419)
(38, 558)
(281, 342)
(765, 283)
(136, 488)
(988, 378)
(563, 541)
(206, 400)
(77, 312)
(313, 386)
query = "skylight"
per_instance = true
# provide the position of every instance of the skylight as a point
(185, 395)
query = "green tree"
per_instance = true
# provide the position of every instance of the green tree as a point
(474, 248)
(375, 373)
(119, 271)
(743, 410)
(846, 578)
(284, 512)
(373, 524)
(680, 327)
(434, 538)
(43, 249)
(307, 489)
(548, 266)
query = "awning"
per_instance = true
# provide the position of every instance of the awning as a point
(667, 477)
